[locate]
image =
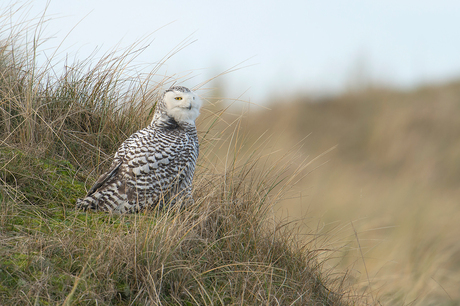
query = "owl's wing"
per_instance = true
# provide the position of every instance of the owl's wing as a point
(113, 170)
(115, 167)
(105, 177)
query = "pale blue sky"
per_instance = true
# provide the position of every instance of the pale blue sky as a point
(294, 46)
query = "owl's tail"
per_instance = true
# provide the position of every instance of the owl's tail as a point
(87, 203)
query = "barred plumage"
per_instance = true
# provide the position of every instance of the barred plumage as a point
(155, 165)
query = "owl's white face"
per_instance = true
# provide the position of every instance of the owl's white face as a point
(182, 106)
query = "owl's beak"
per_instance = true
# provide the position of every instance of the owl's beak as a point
(189, 107)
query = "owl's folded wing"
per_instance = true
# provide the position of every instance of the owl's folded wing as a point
(104, 178)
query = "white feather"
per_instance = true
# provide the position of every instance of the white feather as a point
(187, 109)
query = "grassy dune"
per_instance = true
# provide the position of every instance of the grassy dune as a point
(389, 189)
(58, 131)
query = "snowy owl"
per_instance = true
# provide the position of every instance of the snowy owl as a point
(155, 165)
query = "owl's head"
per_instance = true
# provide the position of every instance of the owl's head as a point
(181, 104)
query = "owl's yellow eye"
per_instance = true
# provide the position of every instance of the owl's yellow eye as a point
(178, 98)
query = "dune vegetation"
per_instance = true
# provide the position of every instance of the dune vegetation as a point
(59, 126)
(341, 200)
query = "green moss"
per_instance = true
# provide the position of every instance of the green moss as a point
(13, 270)
(41, 181)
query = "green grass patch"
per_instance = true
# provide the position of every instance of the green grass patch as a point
(40, 181)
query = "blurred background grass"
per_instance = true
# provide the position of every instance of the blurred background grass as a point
(389, 190)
